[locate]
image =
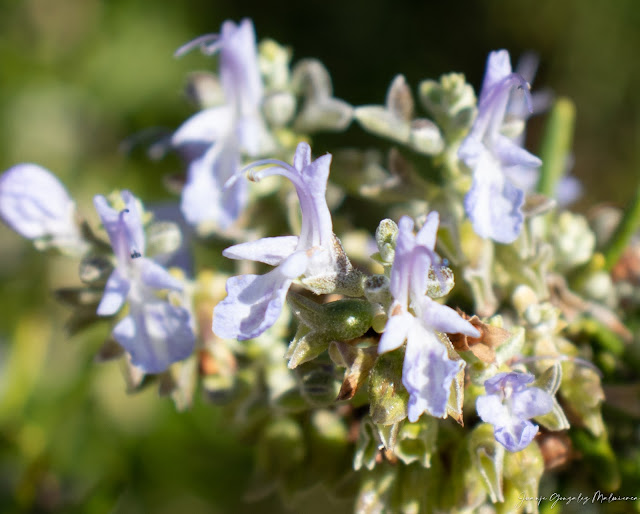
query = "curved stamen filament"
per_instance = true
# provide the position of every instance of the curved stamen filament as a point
(577, 360)
(276, 167)
(209, 44)
(510, 81)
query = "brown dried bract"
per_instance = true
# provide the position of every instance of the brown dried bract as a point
(556, 450)
(483, 347)
(359, 362)
(386, 455)
(627, 268)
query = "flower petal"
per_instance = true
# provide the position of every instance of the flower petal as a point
(239, 68)
(133, 224)
(253, 304)
(511, 154)
(270, 250)
(569, 189)
(395, 332)
(124, 227)
(316, 174)
(493, 206)
(444, 319)
(498, 68)
(205, 200)
(514, 381)
(491, 410)
(115, 294)
(403, 262)
(155, 276)
(302, 158)
(205, 126)
(531, 402)
(427, 373)
(156, 335)
(516, 437)
(426, 236)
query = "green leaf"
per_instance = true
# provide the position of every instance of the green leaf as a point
(416, 442)
(524, 470)
(598, 453)
(487, 456)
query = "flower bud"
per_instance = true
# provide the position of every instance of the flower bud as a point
(424, 137)
(386, 236)
(572, 240)
(279, 108)
(380, 121)
(440, 281)
(36, 205)
(274, 64)
(376, 290)
(451, 102)
(162, 239)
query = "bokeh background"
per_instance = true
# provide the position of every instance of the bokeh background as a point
(79, 78)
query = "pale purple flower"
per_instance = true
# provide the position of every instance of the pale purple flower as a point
(36, 205)
(518, 111)
(216, 138)
(254, 302)
(428, 371)
(569, 188)
(155, 333)
(493, 203)
(508, 406)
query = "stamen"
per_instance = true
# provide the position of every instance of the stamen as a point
(577, 360)
(514, 79)
(209, 44)
(275, 167)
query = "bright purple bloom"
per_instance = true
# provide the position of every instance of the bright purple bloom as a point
(36, 205)
(508, 406)
(217, 137)
(493, 203)
(428, 371)
(155, 333)
(254, 302)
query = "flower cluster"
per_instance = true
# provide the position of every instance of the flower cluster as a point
(410, 358)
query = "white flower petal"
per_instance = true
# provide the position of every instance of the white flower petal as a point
(270, 250)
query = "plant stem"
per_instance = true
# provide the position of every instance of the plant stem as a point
(626, 228)
(556, 145)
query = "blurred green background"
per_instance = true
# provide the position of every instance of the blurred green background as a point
(79, 77)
